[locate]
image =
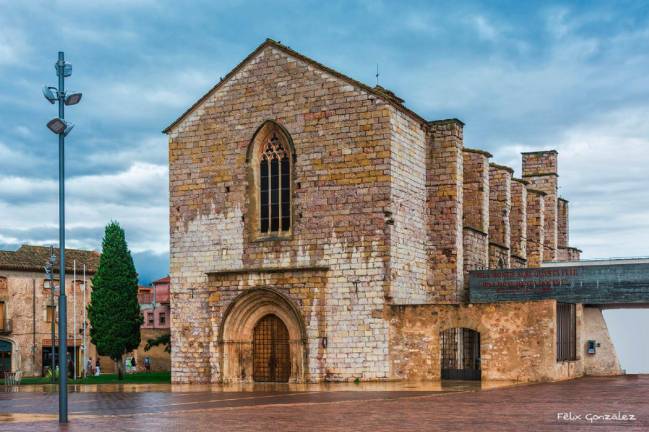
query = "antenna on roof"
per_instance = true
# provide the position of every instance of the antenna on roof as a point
(377, 74)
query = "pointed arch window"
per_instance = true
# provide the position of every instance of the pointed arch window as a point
(274, 186)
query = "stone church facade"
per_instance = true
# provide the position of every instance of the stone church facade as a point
(322, 231)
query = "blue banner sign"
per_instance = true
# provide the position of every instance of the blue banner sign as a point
(589, 284)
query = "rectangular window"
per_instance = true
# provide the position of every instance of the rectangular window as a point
(149, 318)
(162, 318)
(51, 314)
(286, 194)
(264, 182)
(566, 332)
(274, 195)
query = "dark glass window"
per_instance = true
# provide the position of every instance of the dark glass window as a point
(275, 188)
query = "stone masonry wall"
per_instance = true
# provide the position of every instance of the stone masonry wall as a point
(540, 169)
(604, 361)
(563, 252)
(518, 222)
(476, 255)
(562, 223)
(160, 359)
(476, 189)
(535, 227)
(445, 200)
(475, 213)
(308, 290)
(500, 203)
(408, 239)
(342, 189)
(517, 340)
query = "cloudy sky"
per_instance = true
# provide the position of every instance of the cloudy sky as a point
(567, 76)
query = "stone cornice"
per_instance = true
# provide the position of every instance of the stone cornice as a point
(479, 231)
(314, 268)
(478, 151)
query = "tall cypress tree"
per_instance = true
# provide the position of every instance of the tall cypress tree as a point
(114, 312)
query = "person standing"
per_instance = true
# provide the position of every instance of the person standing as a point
(70, 368)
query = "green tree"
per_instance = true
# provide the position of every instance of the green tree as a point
(114, 311)
(164, 339)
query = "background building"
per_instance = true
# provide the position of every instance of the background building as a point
(27, 311)
(154, 304)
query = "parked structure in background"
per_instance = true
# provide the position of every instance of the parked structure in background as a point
(322, 231)
(154, 304)
(26, 309)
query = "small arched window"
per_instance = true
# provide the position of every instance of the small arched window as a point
(271, 159)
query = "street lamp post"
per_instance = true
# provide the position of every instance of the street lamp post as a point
(61, 128)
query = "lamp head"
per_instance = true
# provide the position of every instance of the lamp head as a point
(49, 94)
(59, 126)
(66, 68)
(73, 98)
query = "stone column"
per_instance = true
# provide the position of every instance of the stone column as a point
(562, 229)
(475, 213)
(444, 190)
(518, 224)
(540, 169)
(500, 202)
(535, 227)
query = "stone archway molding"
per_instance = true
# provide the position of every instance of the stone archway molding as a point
(236, 333)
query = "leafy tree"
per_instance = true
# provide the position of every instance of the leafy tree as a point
(164, 339)
(114, 312)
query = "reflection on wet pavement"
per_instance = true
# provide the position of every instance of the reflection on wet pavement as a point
(39, 402)
(367, 406)
(391, 386)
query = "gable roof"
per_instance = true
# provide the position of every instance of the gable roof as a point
(378, 91)
(161, 281)
(33, 258)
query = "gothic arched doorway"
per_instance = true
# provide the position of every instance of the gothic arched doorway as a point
(270, 350)
(460, 354)
(262, 337)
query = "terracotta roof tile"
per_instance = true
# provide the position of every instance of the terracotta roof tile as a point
(33, 258)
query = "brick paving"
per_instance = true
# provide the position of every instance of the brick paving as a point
(517, 408)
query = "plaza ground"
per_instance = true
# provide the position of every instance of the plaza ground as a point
(392, 406)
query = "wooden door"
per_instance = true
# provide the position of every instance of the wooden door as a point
(271, 353)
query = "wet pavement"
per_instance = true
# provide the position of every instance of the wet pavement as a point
(368, 406)
(385, 386)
